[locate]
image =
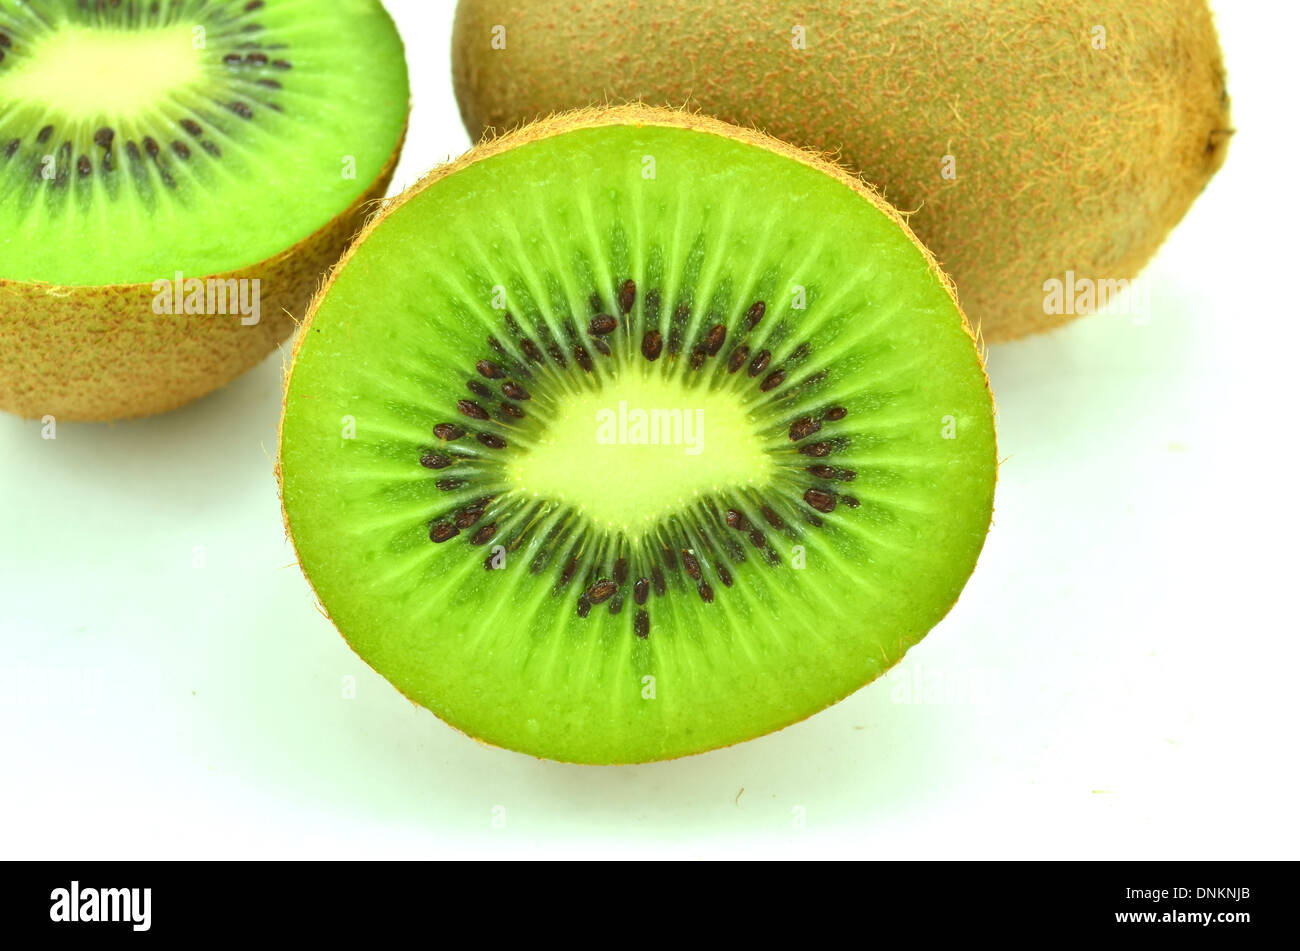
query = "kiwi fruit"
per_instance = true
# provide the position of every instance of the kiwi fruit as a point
(176, 177)
(1025, 139)
(633, 434)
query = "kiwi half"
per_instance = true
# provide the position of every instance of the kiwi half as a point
(1025, 138)
(154, 154)
(633, 434)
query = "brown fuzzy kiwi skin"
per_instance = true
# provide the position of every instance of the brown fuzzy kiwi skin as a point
(100, 353)
(557, 124)
(1067, 157)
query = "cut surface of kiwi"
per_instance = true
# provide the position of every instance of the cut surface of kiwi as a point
(176, 140)
(634, 434)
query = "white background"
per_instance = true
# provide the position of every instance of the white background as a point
(1128, 645)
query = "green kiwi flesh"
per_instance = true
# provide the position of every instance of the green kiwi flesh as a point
(469, 465)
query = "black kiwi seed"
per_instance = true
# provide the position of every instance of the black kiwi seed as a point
(835, 414)
(471, 409)
(755, 314)
(850, 501)
(511, 324)
(282, 64)
(601, 591)
(821, 501)
(253, 5)
(241, 109)
(257, 59)
(181, 149)
(491, 441)
(436, 460)
(448, 432)
(698, 356)
(584, 358)
(516, 392)
(478, 389)
(803, 428)
(584, 606)
(738, 358)
(469, 517)
(596, 303)
(670, 560)
(620, 571)
(725, 576)
(641, 590)
(772, 381)
(532, 351)
(511, 410)
(443, 532)
(489, 369)
(484, 534)
(652, 345)
(602, 324)
(83, 166)
(270, 83)
(189, 125)
(232, 59)
(151, 146)
(616, 606)
(211, 148)
(692, 564)
(822, 472)
(104, 138)
(706, 593)
(567, 574)
(642, 625)
(5, 41)
(758, 539)
(760, 362)
(817, 450)
(627, 296)
(772, 518)
(657, 578)
(737, 520)
(715, 338)
(44, 135)
(450, 485)
(12, 147)
(602, 347)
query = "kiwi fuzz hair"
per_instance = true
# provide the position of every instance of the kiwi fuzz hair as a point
(298, 473)
(99, 353)
(1067, 140)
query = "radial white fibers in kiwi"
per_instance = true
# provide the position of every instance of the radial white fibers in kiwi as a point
(634, 434)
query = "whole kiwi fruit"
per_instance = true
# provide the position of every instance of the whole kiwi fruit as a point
(175, 180)
(1025, 139)
(633, 434)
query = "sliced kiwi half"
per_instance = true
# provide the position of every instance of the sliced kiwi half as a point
(633, 434)
(157, 157)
